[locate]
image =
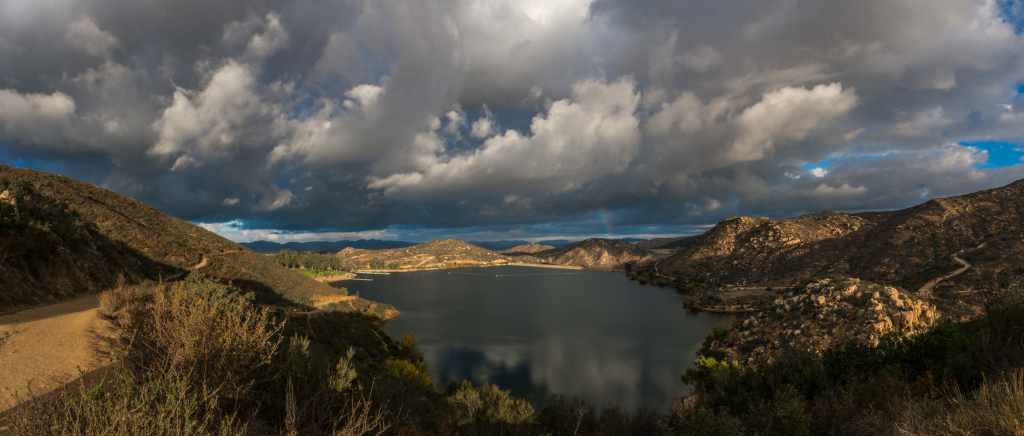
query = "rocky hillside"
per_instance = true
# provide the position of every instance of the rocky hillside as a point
(526, 249)
(665, 242)
(820, 315)
(903, 248)
(442, 253)
(60, 237)
(597, 253)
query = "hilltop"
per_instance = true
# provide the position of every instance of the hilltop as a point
(529, 248)
(442, 253)
(596, 253)
(904, 248)
(61, 237)
(269, 247)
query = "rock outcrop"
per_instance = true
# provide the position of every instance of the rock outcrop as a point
(821, 315)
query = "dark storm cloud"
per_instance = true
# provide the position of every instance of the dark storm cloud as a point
(398, 115)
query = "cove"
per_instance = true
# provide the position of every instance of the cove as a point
(537, 331)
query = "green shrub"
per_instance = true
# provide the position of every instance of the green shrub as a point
(164, 405)
(485, 404)
(995, 408)
(210, 327)
(415, 373)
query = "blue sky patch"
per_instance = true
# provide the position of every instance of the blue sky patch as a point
(1000, 154)
(1012, 11)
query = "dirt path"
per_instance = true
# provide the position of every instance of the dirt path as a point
(201, 264)
(424, 261)
(46, 347)
(926, 290)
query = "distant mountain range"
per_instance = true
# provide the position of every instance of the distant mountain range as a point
(449, 253)
(329, 246)
(268, 247)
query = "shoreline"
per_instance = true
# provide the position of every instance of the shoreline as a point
(543, 265)
(397, 271)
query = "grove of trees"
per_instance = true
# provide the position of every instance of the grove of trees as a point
(314, 261)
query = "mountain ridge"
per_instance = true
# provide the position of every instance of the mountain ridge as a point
(905, 247)
(595, 253)
(62, 237)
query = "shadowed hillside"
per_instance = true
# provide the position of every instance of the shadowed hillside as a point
(679, 242)
(904, 248)
(61, 237)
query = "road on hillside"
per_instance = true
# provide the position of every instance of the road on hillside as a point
(45, 347)
(926, 290)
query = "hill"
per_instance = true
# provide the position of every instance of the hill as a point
(529, 248)
(442, 253)
(506, 244)
(270, 247)
(904, 248)
(596, 253)
(666, 243)
(61, 237)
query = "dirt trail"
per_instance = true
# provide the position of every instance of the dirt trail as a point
(926, 290)
(46, 347)
(424, 261)
(201, 264)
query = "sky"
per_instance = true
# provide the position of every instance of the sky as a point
(513, 119)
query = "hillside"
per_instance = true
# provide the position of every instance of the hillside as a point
(442, 253)
(529, 248)
(903, 248)
(843, 310)
(596, 253)
(62, 237)
(269, 247)
(669, 243)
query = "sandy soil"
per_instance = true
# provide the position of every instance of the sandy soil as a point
(46, 347)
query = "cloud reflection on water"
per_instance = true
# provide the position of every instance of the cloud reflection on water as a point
(596, 334)
(600, 371)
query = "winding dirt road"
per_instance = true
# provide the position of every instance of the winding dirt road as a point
(926, 290)
(43, 348)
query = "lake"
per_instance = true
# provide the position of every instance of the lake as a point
(536, 331)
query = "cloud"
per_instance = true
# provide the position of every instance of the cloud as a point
(262, 39)
(83, 35)
(276, 199)
(34, 118)
(502, 114)
(590, 135)
(824, 190)
(208, 123)
(787, 115)
(484, 126)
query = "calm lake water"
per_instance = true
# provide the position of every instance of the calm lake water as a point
(536, 331)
